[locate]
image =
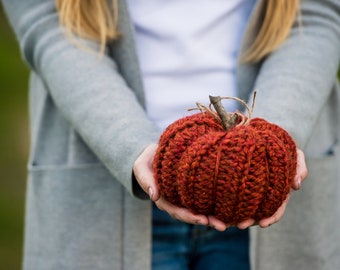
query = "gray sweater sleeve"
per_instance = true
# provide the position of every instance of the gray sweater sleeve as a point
(295, 82)
(88, 90)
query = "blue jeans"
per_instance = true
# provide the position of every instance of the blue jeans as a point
(181, 246)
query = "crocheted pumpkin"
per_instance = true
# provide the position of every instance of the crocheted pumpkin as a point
(235, 174)
(173, 142)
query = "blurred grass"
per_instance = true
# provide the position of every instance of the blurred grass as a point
(13, 147)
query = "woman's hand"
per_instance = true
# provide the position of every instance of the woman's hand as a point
(144, 174)
(301, 174)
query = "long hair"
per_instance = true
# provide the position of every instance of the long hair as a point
(91, 19)
(97, 20)
(278, 17)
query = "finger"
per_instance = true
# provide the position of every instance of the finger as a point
(301, 170)
(143, 172)
(217, 224)
(246, 223)
(181, 214)
(146, 180)
(266, 222)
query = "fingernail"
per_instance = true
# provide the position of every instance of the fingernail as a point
(299, 182)
(150, 192)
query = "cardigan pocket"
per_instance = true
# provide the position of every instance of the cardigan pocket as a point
(45, 168)
(73, 217)
(316, 210)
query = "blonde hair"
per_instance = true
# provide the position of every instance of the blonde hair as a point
(91, 19)
(278, 17)
(96, 20)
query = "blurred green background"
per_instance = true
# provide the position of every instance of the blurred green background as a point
(13, 147)
(14, 141)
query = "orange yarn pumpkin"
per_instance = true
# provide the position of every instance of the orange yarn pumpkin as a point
(244, 172)
(173, 142)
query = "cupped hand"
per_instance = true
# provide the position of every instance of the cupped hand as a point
(144, 174)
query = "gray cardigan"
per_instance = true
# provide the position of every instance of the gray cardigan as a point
(88, 126)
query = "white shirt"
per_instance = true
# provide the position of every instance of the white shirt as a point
(187, 50)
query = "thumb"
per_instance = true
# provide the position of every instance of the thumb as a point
(143, 172)
(301, 170)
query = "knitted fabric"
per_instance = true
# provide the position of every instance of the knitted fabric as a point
(173, 142)
(235, 175)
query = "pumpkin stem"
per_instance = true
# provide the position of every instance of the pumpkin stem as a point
(230, 120)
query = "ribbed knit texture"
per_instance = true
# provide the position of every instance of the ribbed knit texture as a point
(173, 142)
(242, 173)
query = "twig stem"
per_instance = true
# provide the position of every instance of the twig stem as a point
(228, 120)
